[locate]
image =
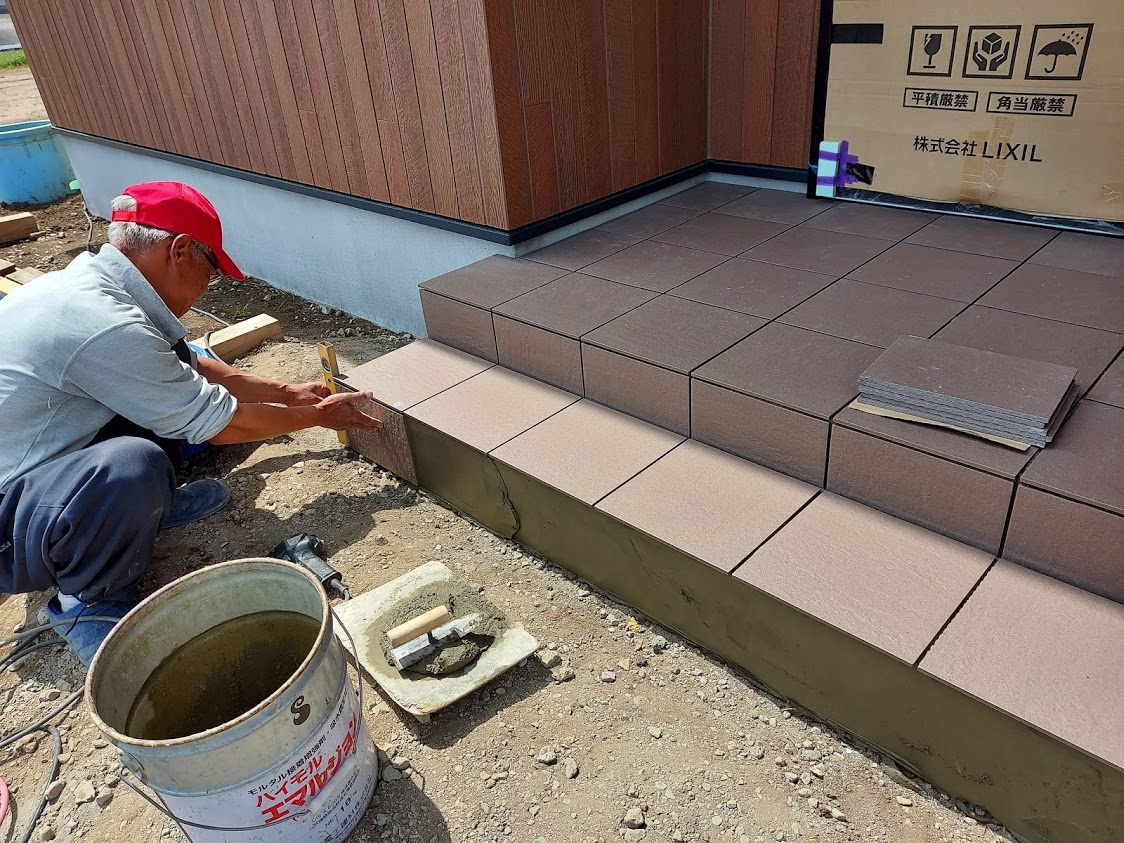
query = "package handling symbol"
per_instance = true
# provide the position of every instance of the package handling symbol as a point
(1058, 51)
(990, 51)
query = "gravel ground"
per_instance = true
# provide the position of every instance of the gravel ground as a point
(615, 730)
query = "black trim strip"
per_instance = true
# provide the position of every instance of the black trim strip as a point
(819, 98)
(469, 229)
(856, 33)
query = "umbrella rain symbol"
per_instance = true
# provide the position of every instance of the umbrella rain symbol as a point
(1064, 46)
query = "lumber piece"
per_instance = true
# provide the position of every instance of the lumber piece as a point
(17, 226)
(22, 276)
(7, 286)
(244, 336)
(6, 267)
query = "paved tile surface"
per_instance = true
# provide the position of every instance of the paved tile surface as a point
(492, 281)
(871, 220)
(707, 503)
(1044, 652)
(460, 325)
(707, 196)
(575, 304)
(587, 450)
(582, 249)
(721, 234)
(649, 221)
(778, 206)
(1081, 298)
(888, 583)
(984, 237)
(1095, 253)
(409, 375)
(1110, 388)
(935, 272)
(655, 266)
(762, 289)
(816, 250)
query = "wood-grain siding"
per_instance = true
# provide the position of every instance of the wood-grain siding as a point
(762, 79)
(386, 99)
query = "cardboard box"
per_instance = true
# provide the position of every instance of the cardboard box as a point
(1017, 105)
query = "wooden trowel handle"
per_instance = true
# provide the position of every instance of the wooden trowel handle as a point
(411, 629)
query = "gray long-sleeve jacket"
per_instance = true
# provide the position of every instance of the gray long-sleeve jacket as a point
(84, 344)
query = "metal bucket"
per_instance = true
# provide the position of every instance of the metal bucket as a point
(298, 766)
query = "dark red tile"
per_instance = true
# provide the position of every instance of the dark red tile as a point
(1098, 254)
(655, 266)
(649, 220)
(389, 446)
(575, 304)
(707, 196)
(1086, 459)
(777, 206)
(1110, 388)
(581, 250)
(722, 234)
(762, 289)
(814, 373)
(544, 355)
(935, 272)
(651, 393)
(492, 281)
(984, 237)
(769, 435)
(942, 442)
(872, 314)
(1042, 652)
(871, 220)
(411, 374)
(939, 495)
(814, 250)
(1095, 301)
(1062, 538)
(1086, 349)
(460, 325)
(887, 583)
(674, 333)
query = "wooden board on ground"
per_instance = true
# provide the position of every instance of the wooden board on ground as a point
(17, 226)
(7, 286)
(6, 267)
(22, 276)
(244, 336)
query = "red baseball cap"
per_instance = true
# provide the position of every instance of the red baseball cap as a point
(181, 209)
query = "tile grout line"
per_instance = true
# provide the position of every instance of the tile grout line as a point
(632, 477)
(773, 534)
(1118, 358)
(955, 612)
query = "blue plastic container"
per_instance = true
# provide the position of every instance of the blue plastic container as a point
(34, 168)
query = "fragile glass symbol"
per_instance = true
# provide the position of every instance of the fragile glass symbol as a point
(932, 47)
(1064, 46)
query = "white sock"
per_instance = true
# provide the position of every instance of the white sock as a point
(67, 602)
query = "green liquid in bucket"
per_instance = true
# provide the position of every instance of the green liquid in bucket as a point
(221, 674)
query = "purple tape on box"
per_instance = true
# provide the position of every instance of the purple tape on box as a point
(841, 178)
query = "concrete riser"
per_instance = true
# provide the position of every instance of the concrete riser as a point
(1043, 790)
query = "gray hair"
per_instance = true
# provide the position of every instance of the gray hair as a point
(130, 237)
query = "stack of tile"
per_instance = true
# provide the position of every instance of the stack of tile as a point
(1010, 400)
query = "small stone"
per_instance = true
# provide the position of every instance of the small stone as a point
(634, 819)
(52, 694)
(390, 774)
(716, 821)
(756, 753)
(84, 792)
(904, 801)
(549, 659)
(791, 778)
(608, 676)
(634, 835)
(47, 833)
(562, 674)
(570, 768)
(818, 771)
(656, 732)
(54, 791)
(677, 837)
(104, 797)
(836, 814)
(659, 643)
(547, 755)
(780, 761)
(804, 792)
(812, 755)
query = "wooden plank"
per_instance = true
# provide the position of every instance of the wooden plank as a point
(381, 87)
(645, 27)
(220, 93)
(331, 50)
(796, 77)
(23, 275)
(304, 110)
(541, 148)
(622, 93)
(593, 99)
(17, 226)
(408, 107)
(533, 49)
(199, 121)
(727, 78)
(266, 14)
(758, 83)
(497, 112)
(458, 109)
(151, 91)
(128, 76)
(244, 336)
(262, 70)
(245, 114)
(235, 19)
(180, 123)
(361, 98)
(692, 28)
(101, 110)
(427, 73)
(562, 25)
(8, 286)
(7, 267)
(176, 26)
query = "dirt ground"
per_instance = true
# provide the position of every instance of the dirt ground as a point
(19, 98)
(606, 728)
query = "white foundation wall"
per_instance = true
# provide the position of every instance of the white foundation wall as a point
(359, 261)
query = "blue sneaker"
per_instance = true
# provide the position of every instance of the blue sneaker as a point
(84, 637)
(195, 501)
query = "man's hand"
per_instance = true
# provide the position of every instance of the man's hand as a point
(305, 394)
(347, 411)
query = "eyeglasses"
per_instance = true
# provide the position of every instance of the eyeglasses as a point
(218, 274)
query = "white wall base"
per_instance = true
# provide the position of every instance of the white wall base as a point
(364, 263)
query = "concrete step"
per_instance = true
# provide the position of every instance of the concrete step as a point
(994, 682)
(733, 327)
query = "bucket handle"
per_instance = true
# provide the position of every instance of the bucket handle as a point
(127, 771)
